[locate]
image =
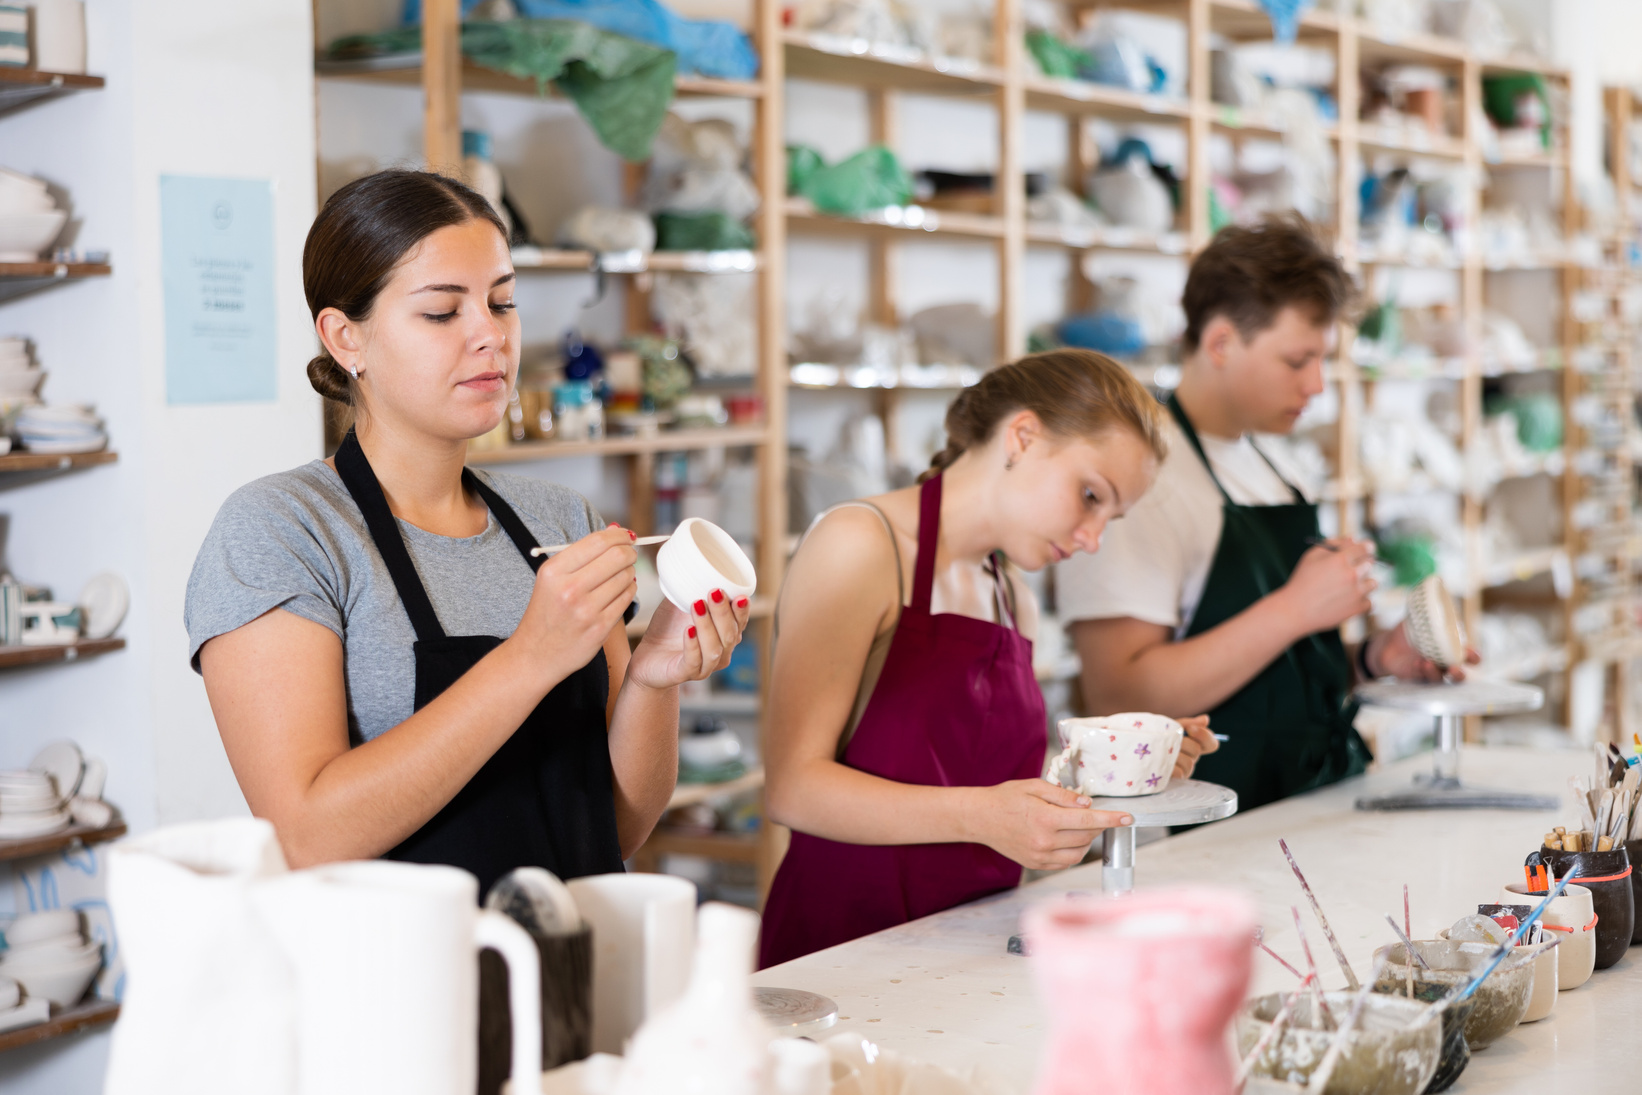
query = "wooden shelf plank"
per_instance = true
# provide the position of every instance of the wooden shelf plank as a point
(1373, 138)
(40, 461)
(1084, 97)
(20, 278)
(860, 63)
(727, 847)
(14, 657)
(92, 1013)
(20, 87)
(676, 441)
(690, 794)
(530, 259)
(1105, 239)
(29, 846)
(893, 220)
(405, 70)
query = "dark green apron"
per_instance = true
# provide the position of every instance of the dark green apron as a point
(1290, 727)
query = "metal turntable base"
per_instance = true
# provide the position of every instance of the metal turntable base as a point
(1448, 704)
(794, 1013)
(1183, 802)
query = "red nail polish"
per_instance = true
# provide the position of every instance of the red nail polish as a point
(611, 525)
(632, 535)
(692, 633)
(701, 608)
(741, 603)
(718, 596)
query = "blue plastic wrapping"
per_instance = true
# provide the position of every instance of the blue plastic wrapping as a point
(705, 46)
(1285, 17)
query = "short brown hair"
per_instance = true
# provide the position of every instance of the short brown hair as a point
(1075, 393)
(359, 238)
(1249, 274)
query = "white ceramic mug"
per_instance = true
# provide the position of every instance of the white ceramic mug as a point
(698, 558)
(60, 36)
(1573, 918)
(1117, 756)
(644, 931)
(385, 956)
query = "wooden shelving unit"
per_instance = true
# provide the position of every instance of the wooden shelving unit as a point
(75, 835)
(21, 87)
(16, 657)
(92, 1013)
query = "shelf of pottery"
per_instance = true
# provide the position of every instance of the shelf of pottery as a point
(652, 308)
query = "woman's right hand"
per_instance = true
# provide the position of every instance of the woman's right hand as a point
(1039, 825)
(579, 598)
(1329, 585)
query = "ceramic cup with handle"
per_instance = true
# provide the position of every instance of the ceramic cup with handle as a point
(387, 978)
(1117, 756)
(1571, 916)
(698, 558)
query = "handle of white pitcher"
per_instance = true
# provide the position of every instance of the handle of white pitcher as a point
(524, 994)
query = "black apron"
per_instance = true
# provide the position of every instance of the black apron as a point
(546, 797)
(1290, 727)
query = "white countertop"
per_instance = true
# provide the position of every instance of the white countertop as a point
(944, 990)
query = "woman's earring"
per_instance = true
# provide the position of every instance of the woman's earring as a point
(353, 371)
(1009, 464)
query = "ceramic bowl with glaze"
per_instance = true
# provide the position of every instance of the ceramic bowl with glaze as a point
(1502, 999)
(1543, 998)
(1117, 756)
(1433, 624)
(1393, 1051)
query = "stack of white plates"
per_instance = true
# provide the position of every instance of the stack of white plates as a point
(29, 217)
(30, 805)
(19, 377)
(48, 954)
(61, 428)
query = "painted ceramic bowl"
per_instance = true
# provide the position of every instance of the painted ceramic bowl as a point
(1393, 1051)
(1571, 916)
(699, 558)
(1434, 625)
(1502, 1000)
(1117, 756)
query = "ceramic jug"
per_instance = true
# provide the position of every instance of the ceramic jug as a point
(208, 1000)
(385, 960)
(644, 927)
(1139, 990)
(710, 1041)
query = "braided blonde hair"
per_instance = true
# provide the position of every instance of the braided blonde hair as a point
(1075, 393)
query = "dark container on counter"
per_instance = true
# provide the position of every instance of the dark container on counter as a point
(567, 1006)
(1456, 1051)
(1608, 876)
(1633, 848)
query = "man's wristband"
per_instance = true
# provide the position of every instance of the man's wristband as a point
(1364, 673)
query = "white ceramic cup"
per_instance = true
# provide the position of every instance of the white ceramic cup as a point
(1571, 916)
(387, 978)
(60, 36)
(699, 558)
(1117, 756)
(644, 931)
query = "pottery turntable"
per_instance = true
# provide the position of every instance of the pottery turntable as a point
(1182, 802)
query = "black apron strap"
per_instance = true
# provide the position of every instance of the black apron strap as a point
(505, 517)
(1190, 431)
(356, 474)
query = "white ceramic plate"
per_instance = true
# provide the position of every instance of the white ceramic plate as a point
(66, 448)
(104, 602)
(13, 828)
(63, 762)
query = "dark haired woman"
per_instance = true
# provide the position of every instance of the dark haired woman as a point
(391, 670)
(907, 731)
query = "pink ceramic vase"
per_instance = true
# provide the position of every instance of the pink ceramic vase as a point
(1140, 989)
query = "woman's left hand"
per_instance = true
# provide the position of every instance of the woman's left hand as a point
(1198, 741)
(678, 648)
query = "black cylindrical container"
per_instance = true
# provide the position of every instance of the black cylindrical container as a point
(567, 1006)
(1633, 848)
(1608, 876)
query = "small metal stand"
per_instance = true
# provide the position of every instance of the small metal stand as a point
(794, 1013)
(1183, 802)
(1448, 704)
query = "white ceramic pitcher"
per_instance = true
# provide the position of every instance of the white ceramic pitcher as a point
(385, 957)
(644, 931)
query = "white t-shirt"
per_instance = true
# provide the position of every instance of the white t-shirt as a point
(1153, 562)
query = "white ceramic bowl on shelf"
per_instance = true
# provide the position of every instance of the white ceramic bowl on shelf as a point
(23, 236)
(698, 558)
(16, 382)
(34, 927)
(64, 984)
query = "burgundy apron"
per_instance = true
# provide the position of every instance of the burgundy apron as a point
(957, 705)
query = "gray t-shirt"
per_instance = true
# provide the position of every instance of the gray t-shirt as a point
(297, 541)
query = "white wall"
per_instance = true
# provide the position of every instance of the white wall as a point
(194, 87)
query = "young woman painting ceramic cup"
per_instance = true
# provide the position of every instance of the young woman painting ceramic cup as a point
(907, 731)
(392, 672)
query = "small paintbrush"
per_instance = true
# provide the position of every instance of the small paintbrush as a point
(642, 541)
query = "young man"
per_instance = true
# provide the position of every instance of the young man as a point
(1217, 593)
